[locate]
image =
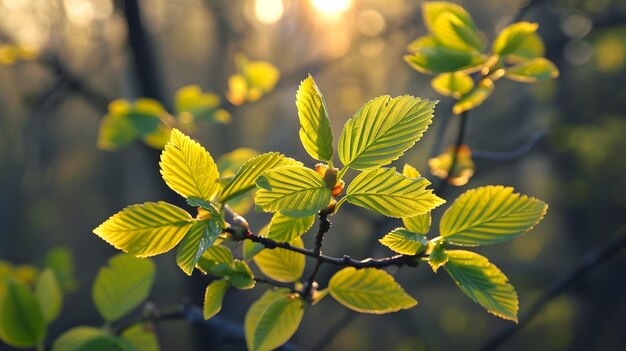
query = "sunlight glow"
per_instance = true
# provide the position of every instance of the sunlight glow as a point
(331, 7)
(268, 11)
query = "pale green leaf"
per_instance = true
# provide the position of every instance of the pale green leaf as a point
(490, 215)
(188, 168)
(474, 98)
(272, 320)
(61, 262)
(285, 228)
(228, 164)
(22, 322)
(90, 339)
(241, 276)
(146, 230)
(200, 237)
(450, 31)
(520, 41)
(315, 132)
(192, 104)
(392, 194)
(431, 10)
(122, 285)
(455, 84)
(483, 282)
(49, 295)
(293, 191)
(250, 248)
(142, 337)
(534, 70)
(419, 224)
(410, 171)
(438, 59)
(438, 257)
(281, 265)
(369, 290)
(214, 256)
(213, 297)
(245, 178)
(115, 132)
(383, 129)
(404, 241)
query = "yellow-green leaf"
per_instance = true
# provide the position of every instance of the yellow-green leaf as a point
(315, 132)
(430, 58)
(281, 265)
(272, 320)
(241, 276)
(188, 168)
(419, 224)
(192, 104)
(383, 129)
(245, 178)
(142, 337)
(200, 237)
(410, 171)
(404, 241)
(452, 32)
(392, 194)
(483, 282)
(213, 297)
(533, 70)
(214, 256)
(49, 295)
(455, 84)
(22, 322)
(519, 41)
(122, 285)
(293, 191)
(438, 257)
(369, 290)
(89, 339)
(146, 230)
(474, 98)
(431, 10)
(250, 248)
(490, 215)
(285, 228)
(115, 132)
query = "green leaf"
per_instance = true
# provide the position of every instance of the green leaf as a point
(188, 168)
(483, 282)
(90, 339)
(115, 132)
(281, 265)
(244, 180)
(241, 276)
(146, 230)
(200, 237)
(519, 41)
(213, 297)
(122, 286)
(474, 98)
(214, 256)
(450, 31)
(419, 224)
(383, 129)
(404, 241)
(438, 257)
(388, 192)
(142, 337)
(455, 84)
(293, 191)
(532, 71)
(410, 171)
(431, 10)
(315, 132)
(145, 114)
(272, 320)
(229, 163)
(197, 202)
(49, 295)
(250, 248)
(428, 56)
(285, 228)
(61, 262)
(22, 322)
(192, 104)
(369, 290)
(490, 215)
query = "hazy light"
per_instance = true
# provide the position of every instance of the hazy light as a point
(371, 22)
(268, 11)
(331, 7)
(337, 43)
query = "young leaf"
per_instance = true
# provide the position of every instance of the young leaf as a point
(520, 41)
(146, 230)
(191, 104)
(293, 191)
(89, 339)
(315, 132)
(431, 57)
(455, 84)
(419, 224)
(532, 71)
(188, 168)
(122, 285)
(474, 98)
(450, 31)
(214, 256)
(200, 237)
(141, 337)
(213, 297)
(410, 171)
(369, 290)
(115, 132)
(245, 178)
(431, 10)
(285, 228)
(62, 264)
(49, 295)
(281, 265)
(383, 129)
(390, 193)
(272, 320)
(483, 282)
(404, 241)
(490, 215)
(438, 257)
(22, 322)
(241, 276)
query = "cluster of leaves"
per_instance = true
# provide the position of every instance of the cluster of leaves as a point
(148, 120)
(12, 53)
(379, 133)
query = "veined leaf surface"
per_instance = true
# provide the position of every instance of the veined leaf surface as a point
(213, 297)
(315, 132)
(200, 237)
(285, 228)
(281, 265)
(22, 322)
(404, 241)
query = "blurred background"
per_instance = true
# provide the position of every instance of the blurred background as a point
(569, 134)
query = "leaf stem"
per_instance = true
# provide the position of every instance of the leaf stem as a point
(459, 141)
(324, 227)
(342, 172)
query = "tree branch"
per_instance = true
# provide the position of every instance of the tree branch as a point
(324, 226)
(512, 154)
(459, 141)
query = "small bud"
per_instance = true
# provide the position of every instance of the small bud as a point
(203, 214)
(338, 188)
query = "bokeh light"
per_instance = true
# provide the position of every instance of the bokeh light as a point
(269, 11)
(332, 7)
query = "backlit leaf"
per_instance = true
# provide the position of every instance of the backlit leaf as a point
(438, 257)
(213, 297)
(483, 282)
(61, 262)
(281, 265)
(431, 10)
(315, 132)
(214, 256)
(519, 41)
(188, 168)
(369, 290)
(22, 322)
(122, 285)
(241, 276)
(463, 166)
(293, 190)
(250, 248)
(490, 215)
(146, 230)
(455, 84)
(192, 104)
(474, 98)
(200, 237)
(450, 31)
(142, 337)
(387, 192)
(404, 241)
(285, 228)
(532, 71)
(383, 129)
(419, 224)
(90, 339)
(272, 320)
(49, 295)
(428, 56)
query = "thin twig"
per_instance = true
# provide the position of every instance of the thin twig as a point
(459, 141)
(512, 154)
(324, 227)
